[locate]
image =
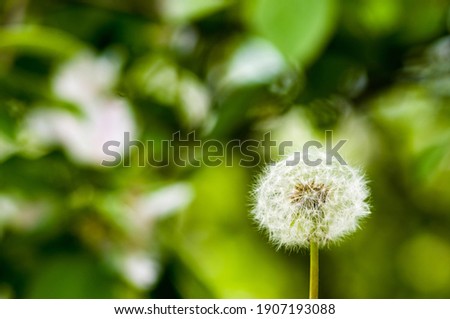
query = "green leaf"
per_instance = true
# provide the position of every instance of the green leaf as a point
(299, 28)
(183, 10)
(40, 40)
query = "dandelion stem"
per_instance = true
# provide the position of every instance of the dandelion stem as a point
(314, 271)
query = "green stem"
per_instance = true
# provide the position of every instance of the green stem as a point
(314, 271)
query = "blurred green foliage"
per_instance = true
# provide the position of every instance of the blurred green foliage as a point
(74, 74)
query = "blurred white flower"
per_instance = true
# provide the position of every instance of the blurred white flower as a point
(164, 201)
(140, 270)
(21, 215)
(301, 203)
(86, 81)
(144, 209)
(86, 78)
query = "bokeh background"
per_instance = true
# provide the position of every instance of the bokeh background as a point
(74, 74)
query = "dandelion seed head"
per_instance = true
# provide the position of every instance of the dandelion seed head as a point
(300, 203)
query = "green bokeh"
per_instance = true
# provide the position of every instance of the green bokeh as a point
(74, 72)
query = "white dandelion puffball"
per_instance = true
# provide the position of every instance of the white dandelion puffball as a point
(298, 203)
